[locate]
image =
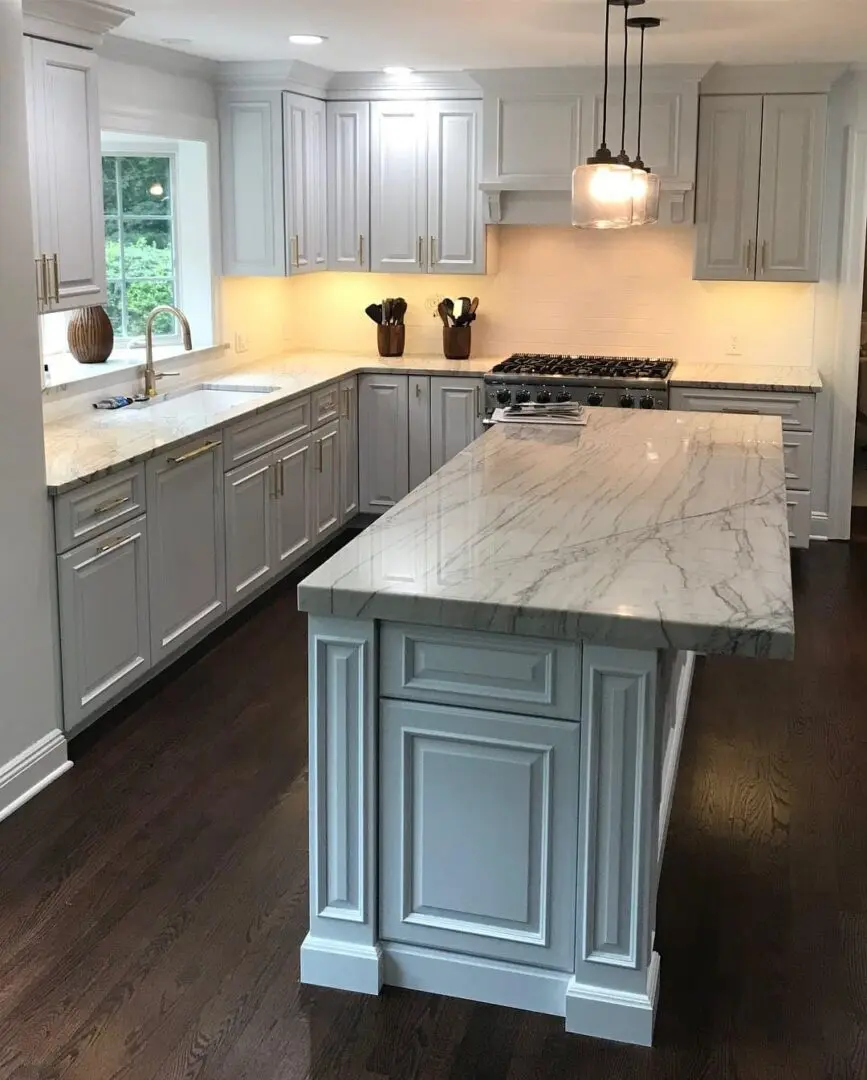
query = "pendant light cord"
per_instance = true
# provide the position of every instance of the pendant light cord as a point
(625, 70)
(640, 95)
(605, 82)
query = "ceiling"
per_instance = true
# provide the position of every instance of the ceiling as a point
(366, 35)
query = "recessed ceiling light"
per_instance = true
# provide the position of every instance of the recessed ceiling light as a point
(397, 70)
(307, 39)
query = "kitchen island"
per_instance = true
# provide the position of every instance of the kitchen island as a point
(499, 679)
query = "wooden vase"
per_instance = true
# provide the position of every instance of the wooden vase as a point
(90, 335)
(391, 340)
(457, 341)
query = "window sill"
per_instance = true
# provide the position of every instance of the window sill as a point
(66, 373)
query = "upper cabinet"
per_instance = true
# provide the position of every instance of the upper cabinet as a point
(759, 190)
(66, 175)
(273, 168)
(348, 185)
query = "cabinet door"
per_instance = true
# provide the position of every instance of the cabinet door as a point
(457, 234)
(104, 627)
(67, 161)
(250, 494)
(305, 182)
(398, 186)
(455, 417)
(251, 168)
(186, 543)
(418, 408)
(326, 481)
(479, 832)
(790, 199)
(383, 441)
(727, 188)
(294, 514)
(348, 449)
(348, 185)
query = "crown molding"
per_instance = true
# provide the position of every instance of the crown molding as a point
(771, 78)
(377, 86)
(293, 75)
(74, 22)
(126, 50)
(580, 80)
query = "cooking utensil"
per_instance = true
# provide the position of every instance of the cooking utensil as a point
(443, 314)
(398, 310)
(374, 311)
(386, 311)
(462, 309)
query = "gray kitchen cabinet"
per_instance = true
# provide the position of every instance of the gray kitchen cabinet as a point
(250, 492)
(759, 188)
(326, 481)
(66, 175)
(398, 186)
(293, 503)
(383, 441)
(503, 888)
(456, 232)
(419, 430)
(348, 185)
(305, 183)
(104, 618)
(456, 415)
(186, 543)
(348, 449)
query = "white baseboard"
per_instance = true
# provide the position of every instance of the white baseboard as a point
(341, 965)
(614, 1014)
(672, 753)
(26, 775)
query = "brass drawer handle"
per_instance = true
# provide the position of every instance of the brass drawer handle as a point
(115, 543)
(433, 251)
(361, 249)
(113, 505)
(749, 256)
(193, 454)
(745, 412)
(421, 251)
(55, 277)
(41, 282)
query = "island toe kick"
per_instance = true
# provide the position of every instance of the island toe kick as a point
(488, 817)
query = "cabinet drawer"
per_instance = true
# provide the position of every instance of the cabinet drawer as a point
(798, 455)
(87, 511)
(326, 405)
(259, 434)
(796, 410)
(799, 508)
(493, 671)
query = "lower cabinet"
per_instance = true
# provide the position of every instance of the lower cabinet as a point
(186, 543)
(326, 481)
(456, 415)
(479, 832)
(104, 622)
(383, 450)
(293, 502)
(419, 430)
(348, 449)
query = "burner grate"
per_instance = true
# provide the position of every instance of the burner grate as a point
(618, 367)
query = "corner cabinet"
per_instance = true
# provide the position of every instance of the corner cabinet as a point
(456, 416)
(383, 448)
(304, 156)
(761, 164)
(66, 175)
(348, 185)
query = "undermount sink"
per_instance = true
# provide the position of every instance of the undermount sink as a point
(219, 394)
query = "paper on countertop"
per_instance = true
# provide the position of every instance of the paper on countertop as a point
(568, 414)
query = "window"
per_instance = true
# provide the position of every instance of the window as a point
(140, 241)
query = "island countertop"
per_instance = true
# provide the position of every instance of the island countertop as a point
(644, 530)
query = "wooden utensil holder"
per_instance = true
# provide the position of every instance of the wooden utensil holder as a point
(391, 340)
(457, 342)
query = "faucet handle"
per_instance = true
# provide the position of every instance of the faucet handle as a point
(166, 374)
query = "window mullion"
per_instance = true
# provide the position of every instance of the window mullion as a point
(124, 318)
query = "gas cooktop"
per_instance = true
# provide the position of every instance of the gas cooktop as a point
(585, 367)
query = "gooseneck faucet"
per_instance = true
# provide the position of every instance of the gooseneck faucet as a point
(150, 375)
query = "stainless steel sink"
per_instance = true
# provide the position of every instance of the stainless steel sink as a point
(222, 395)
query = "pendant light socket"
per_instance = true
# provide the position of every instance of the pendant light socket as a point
(645, 184)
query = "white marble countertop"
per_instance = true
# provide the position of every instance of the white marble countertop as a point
(644, 530)
(745, 376)
(86, 444)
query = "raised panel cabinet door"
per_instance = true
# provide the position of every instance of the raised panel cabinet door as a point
(70, 228)
(479, 832)
(456, 413)
(383, 441)
(250, 494)
(348, 449)
(533, 137)
(790, 197)
(326, 480)
(186, 543)
(398, 187)
(419, 430)
(348, 185)
(305, 183)
(727, 187)
(104, 623)
(293, 519)
(251, 168)
(456, 244)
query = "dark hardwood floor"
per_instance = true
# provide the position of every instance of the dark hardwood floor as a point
(153, 900)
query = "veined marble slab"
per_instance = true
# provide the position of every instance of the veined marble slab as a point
(736, 376)
(644, 529)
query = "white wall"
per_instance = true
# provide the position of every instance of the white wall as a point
(31, 748)
(137, 77)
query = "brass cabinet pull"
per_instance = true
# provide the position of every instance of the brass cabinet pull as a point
(319, 455)
(346, 402)
(743, 411)
(433, 250)
(41, 283)
(418, 389)
(282, 476)
(113, 505)
(749, 256)
(55, 277)
(115, 543)
(421, 251)
(361, 249)
(479, 401)
(295, 251)
(272, 472)
(193, 454)
(764, 255)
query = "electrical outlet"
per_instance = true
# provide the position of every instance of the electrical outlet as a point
(432, 303)
(241, 343)
(734, 348)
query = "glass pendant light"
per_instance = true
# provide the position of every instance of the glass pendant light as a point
(645, 184)
(602, 195)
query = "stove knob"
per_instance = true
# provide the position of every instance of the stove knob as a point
(522, 396)
(563, 396)
(543, 397)
(627, 401)
(594, 398)
(504, 396)
(647, 402)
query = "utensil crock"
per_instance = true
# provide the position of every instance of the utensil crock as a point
(457, 342)
(391, 340)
